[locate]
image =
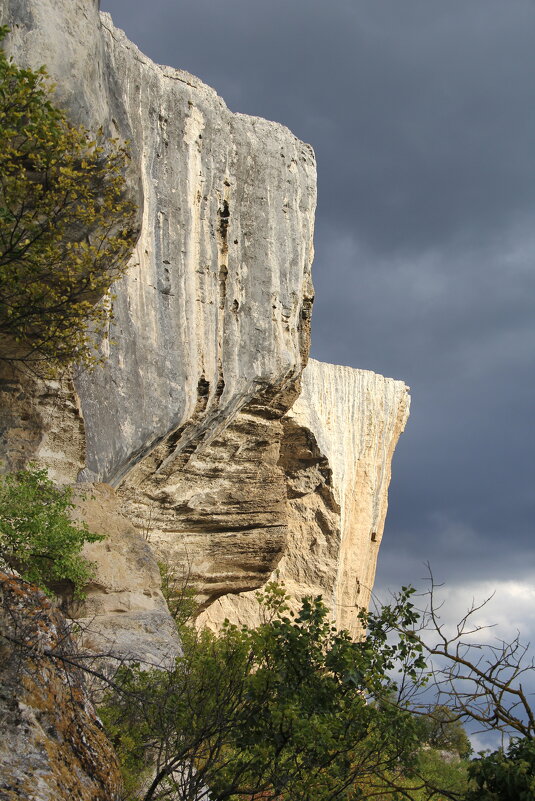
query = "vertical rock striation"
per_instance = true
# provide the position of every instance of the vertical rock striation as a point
(214, 309)
(211, 322)
(336, 452)
(195, 417)
(189, 417)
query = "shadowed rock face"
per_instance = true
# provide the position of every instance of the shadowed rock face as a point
(40, 421)
(52, 746)
(218, 516)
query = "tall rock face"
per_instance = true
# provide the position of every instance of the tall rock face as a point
(213, 312)
(195, 418)
(211, 322)
(229, 469)
(336, 453)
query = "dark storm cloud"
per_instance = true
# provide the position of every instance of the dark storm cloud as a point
(421, 116)
(418, 111)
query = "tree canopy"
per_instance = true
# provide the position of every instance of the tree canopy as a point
(291, 709)
(66, 224)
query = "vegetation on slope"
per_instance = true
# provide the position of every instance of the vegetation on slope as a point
(292, 709)
(37, 536)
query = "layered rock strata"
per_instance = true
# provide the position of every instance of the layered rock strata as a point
(211, 322)
(189, 416)
(124, 615)
(336, 454)
(196, 419)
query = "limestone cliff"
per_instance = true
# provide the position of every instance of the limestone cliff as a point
(211, 322)
(190, 419)
(222, 468)
(336, 452)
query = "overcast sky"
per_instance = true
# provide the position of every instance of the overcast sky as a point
(422, 116)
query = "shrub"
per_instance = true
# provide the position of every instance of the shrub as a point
(37, 536)
(504, 775)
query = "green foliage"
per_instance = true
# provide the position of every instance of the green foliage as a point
(504, 776)
(66, 229)
(449, 776)
(290, 710)
(442, 729)
(37, 537)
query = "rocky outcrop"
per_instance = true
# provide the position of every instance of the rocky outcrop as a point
(123, 615)
(214, 310)
(211, 322)
(52, 746)
(217, 516)
(336, 454)
(41, 422)
(223, 469)
(190, 418)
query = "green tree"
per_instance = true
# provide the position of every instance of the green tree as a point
(504, 775)
(66, 226)
(442, 729)
(37, 536)
(290, 710)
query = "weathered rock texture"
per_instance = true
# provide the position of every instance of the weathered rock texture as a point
(41, 422)
(214, 309)
(336, 454)
(211, 331)
(52, 746)
(190, 417)
(124, 614)
(212, 319)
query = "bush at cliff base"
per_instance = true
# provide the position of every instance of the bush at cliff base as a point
(37, 537)
(66, 228)
(292, 710)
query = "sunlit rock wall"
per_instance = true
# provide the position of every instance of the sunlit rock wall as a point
(211, 322)
(336, 453)
(123, 614)
(215, 306)
(189, 416)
